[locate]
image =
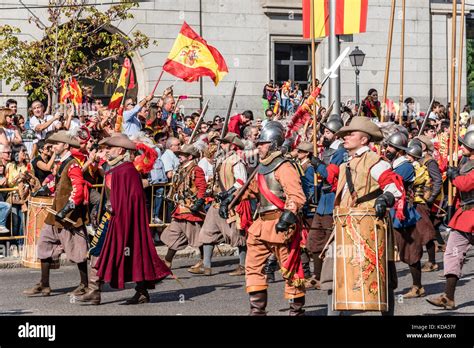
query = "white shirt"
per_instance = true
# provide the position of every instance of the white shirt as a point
(170, 161)
(75, 123)
(207, 167)
(34, 122)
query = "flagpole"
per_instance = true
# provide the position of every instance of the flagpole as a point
(458, 103)
(157, 82)
(118, 125)
(387, 62)
(402, 65)
(451, 110)
(313, 83)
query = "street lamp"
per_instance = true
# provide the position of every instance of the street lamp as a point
(357, 60)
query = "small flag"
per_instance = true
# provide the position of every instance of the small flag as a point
(121, 89)
(191, 57)
(64, 93)
(75, 92)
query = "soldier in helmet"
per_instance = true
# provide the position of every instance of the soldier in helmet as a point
(328, 168)
(462, 223)
(407, 237)
(277, 186)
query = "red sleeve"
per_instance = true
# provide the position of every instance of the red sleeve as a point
(465, 183)
(77, 180)
(200, 181)
(333, 174)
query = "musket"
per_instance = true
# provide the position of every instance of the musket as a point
(198, 124)
(426, 118)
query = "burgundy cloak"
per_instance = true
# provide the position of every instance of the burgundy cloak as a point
(128, 253)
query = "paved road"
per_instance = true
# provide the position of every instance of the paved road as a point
(219, 294)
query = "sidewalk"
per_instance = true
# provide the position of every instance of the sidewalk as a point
(189, 252)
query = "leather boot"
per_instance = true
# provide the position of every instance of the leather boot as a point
(38, 289)
(296, 306)
(93, 295)
(258, 303)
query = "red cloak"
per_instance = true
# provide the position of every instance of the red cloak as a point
(128, 254)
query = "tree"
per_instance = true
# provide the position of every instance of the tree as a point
(75, 41)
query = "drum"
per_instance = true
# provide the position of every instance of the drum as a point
(34, 223)
(360, 272)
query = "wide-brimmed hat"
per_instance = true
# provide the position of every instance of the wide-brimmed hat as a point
(119, 140)
(362, 124)
(305, 146)
(188, 149)
(233, 138)
(427, 141)
(63, 136)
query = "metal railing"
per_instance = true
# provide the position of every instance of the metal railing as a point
(152, 190)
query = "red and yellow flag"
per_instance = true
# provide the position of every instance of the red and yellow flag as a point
(75, 92)
(191, 57)
(351, 17)
(120, 90)
(64, 93)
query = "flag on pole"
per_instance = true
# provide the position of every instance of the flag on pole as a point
(121, 89)
(75, 92)
(351, 17)
(191, 58)
(64, 93)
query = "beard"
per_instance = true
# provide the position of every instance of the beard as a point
(326, 142)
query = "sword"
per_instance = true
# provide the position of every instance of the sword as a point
(331, 72)
(55, 213)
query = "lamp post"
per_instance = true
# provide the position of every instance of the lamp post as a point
(357, 60)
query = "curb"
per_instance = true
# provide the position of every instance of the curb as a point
(189, 252)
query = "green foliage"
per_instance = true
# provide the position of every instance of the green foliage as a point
(75, 40)
(470, 70)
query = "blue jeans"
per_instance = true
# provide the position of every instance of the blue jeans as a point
(4, 211)
(158, 201)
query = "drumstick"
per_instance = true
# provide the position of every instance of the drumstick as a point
(326, 246)
(54, 212)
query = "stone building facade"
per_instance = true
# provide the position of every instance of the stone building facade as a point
(262, 40)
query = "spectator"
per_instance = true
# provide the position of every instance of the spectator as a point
(44, 162)
(4, 206)
(42, 123)
(285, 97)
(21, 124)
(12, 104)
(6, 151)
(131, 122)
(238, 122)
(250, 136)
(268, 95)
(435, 110)
(8, 136)
(169, 159)
(217, 120)
(204, 128)
(370, 106)
(268, 117)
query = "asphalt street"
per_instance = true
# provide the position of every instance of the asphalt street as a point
(219, 294)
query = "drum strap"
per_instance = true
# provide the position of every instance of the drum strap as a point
(365, 198)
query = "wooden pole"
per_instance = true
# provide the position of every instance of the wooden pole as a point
(313, 83)
(157, 82)
(387, 61)
(451, 110)
(402, 65)
(458, 103)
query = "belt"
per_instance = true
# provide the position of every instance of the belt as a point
(270, 215)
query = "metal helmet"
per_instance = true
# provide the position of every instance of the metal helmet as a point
(334, 123)
(398, 140)
(334, 117)
(470, 128)
(415, 141)
(402, 130)
(468, 140)
(274, 124)
(272, 134)
(415, 150)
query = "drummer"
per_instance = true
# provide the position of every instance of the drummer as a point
(371, 184)
(57, 235)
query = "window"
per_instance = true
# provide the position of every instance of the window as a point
(292, 62)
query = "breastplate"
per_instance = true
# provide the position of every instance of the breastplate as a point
(274, 187)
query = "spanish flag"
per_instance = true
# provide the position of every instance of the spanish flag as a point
(64, 93)
(351, 17)
(75, 92)
(191, 57)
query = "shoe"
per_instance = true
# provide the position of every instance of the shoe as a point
(239, 271)
(201, 270)
(442, 301)
(429, 267)
(38, 289)
(79, 291)
(197, 265)
(138, 298)
(93, 297)
(415, 292)
(296, 307)
(158, 221)
(4, 230)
